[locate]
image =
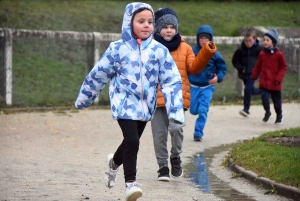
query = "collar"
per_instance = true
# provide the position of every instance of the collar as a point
(172, 44)
(271, 50)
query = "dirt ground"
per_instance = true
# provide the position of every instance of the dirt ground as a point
(285, 141)
(61, 156)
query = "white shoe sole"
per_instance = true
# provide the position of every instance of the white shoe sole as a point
(134, 195)
(244, 114)
(163, 179)
(178, 176)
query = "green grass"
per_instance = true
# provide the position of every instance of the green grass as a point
(106, 16)
(279, 163)
(42, 74)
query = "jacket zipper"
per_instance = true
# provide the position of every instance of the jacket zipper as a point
(141, 80)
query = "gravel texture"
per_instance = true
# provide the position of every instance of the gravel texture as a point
(62, 156)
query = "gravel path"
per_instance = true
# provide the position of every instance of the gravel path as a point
(61, 156)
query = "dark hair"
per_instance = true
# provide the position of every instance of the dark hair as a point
(139, 10)
(250, 32)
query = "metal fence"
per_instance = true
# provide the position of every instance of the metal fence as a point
(46, 68)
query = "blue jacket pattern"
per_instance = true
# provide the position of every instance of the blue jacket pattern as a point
(216, 65)
(134, 72)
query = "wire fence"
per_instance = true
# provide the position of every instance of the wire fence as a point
(47, 68)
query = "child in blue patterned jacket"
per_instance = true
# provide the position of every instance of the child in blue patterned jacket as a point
(134, 65)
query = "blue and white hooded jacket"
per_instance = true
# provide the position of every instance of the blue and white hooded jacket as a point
(134, 72)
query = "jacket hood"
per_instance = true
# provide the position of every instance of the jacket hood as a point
(127, 35)
(202, 29)
(205, 29)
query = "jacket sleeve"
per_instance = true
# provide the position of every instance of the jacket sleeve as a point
(257, 68)
(236, 61)
(202, 58)
(282, 69)
(171, 88)
(96, 80)
(220, 66)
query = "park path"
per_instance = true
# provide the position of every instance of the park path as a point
(62, 155)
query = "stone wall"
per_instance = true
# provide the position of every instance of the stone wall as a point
(285, 32)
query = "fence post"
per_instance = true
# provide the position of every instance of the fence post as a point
(298, 53)
(239, 85)
(296, 64)
(93, 53)
(6, 66)
(96, 51)
(2, 67)
(89, 56)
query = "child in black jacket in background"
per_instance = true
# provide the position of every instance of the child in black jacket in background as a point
(244, 60)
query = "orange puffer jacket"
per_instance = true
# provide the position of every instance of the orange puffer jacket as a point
(186, 62)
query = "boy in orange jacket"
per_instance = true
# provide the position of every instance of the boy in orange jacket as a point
(166, 32)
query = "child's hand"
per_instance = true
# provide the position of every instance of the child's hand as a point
(214, 80)
(212, 45)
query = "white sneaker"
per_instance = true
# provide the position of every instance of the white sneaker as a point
(133, 191)
(110, 176)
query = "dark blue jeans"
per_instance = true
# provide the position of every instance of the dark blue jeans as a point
(126, 153)
(248, 92)
(276, 98)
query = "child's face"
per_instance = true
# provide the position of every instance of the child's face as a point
(168, 32)
(268, 42)
(249, 41)
(203, 40)
(142, 24)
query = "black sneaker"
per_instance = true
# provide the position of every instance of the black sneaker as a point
(244, 113)
(279, 119)
(198, 139)
(267, 116)
(163, 174)
(176, 170)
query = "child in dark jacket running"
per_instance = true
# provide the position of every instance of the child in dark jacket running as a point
(134, 65)
(203, 84)
(271, 67)
(243, 60)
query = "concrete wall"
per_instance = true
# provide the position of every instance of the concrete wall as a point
(283, 31)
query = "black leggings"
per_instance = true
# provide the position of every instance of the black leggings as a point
(126, 153)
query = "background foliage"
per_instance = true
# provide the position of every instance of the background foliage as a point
(106, 16)
(49, 73)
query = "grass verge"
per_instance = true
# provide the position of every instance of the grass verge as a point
(276, 162)
(106, 16)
